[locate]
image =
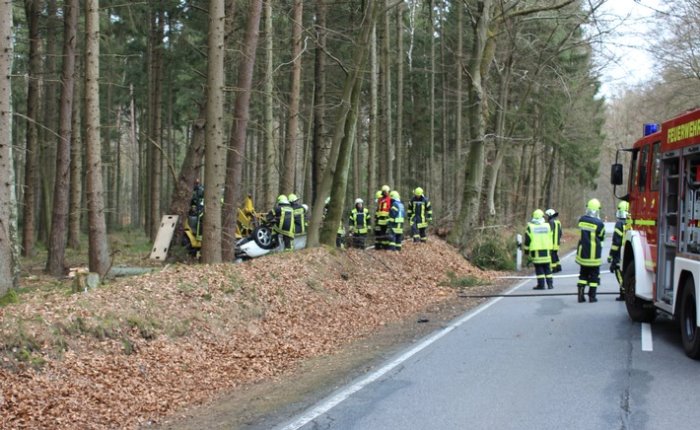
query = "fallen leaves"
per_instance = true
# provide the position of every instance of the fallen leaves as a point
(141, 348)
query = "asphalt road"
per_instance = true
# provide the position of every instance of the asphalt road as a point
(541, 362)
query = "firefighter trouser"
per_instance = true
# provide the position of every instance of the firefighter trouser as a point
(543, 272)
(556, 265)
(590, 276)
(395, 241)
(382, 238)
(617, 271)
(419, 234)
(358, 240)
(288, 242)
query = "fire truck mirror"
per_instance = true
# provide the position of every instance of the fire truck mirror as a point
(616, 174)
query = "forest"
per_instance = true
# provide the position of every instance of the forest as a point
(111, 110)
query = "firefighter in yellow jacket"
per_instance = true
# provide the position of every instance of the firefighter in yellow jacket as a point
(538, 245)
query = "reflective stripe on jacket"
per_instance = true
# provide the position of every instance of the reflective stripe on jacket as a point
(420, 211)
(538, 242)
(617, 239)
(383, 208)
(284, 220)
(299, 218)
(590, 245)
(359, 220)
(555, 224)
(396, 216)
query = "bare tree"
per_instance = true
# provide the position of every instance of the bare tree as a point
(271, 176)
(214, 151)
(59, 218)
(98, 250)
(9, 258)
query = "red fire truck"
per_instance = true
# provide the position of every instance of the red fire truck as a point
(661, 249)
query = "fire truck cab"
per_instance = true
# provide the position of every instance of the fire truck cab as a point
(660, 258)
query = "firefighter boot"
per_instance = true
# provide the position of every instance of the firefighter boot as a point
(591, 295)
(621, 297)
(581, 297)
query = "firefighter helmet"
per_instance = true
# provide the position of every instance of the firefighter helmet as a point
(537, 214)
(551, 212)
(282, 200)
(623, 206)
(395, 195)
(359, 201)
(378, 195)
(385, 189)
(593, 205)
(292, 198)
(418, 191)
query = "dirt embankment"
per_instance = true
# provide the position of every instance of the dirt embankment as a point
(140, 349)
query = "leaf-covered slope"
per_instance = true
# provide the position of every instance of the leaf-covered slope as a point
(138, 349)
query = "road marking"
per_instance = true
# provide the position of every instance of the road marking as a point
(345, 393)
(647, 342)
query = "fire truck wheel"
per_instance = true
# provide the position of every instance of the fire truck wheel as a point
(638, 309)
(689, 322)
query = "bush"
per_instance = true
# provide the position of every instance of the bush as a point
(493, 252)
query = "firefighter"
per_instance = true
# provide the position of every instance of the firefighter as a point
(614, 256)
(588, 253)
(282, 217)
(397, 213)
(538, 245)
(299, 215)
(420, 214)
(381, 234)
(359, 224)
(377, 230)
(555, 225)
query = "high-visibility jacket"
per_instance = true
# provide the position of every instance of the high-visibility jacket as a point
(590, 245)
(397, 213)
(555, 225)
(420, 211)
(618, 234)
(383, 208)
(299, 218)
(538, 242)
(283, 217)
(359, 220)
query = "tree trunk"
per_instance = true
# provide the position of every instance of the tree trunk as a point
(474, 174)
(358, 61)
(154, 133)
(59, 218)
(399, 96)
(501, 110)
(31, 177)
(290, 153)
(373, 143)
(241, 113)
(189, 172)
(386, 170)
(214, 169)
(76, 168)
(136, 168)
(98, 251)
(9, 257)
(320, 141)
(432, 164)
(47, 133)
(271, 164)
(339, 187)
(459, 138)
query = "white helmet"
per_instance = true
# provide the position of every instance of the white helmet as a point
(305, 206)
(359, 202)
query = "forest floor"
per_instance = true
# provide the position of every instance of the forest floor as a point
(241, 339)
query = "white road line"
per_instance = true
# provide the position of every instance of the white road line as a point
(647, 342)
(348, 391)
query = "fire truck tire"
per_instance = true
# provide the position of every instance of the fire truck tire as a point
(638, 309)
(688, 321)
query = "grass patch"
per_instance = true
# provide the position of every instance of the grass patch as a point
(462, 282)
(493, 252)
(146, 327)
(9, 298)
